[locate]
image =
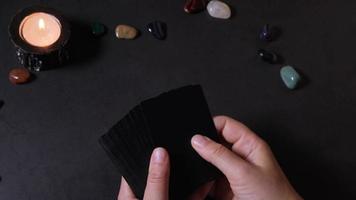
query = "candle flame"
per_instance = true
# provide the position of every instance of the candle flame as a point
(41, 24)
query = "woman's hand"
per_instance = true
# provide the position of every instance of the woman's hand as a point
(250, 169)
(157, 180)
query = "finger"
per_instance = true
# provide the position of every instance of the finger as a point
(225, 160)
(158, 176)
(245, 142)
(231, 129)
(202, 192)
(125, 192)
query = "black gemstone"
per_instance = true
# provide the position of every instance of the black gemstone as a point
(158, 29)
(269, 57)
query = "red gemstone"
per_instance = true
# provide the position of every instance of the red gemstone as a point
(19, 76)
(194, 6)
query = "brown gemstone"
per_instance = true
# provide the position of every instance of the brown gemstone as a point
(194, 6)
(123, 31)
(19, 76)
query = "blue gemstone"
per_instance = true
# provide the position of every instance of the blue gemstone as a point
(158, 29)
(290, 77)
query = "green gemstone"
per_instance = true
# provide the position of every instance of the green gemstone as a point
(98, 29)
(290, 77)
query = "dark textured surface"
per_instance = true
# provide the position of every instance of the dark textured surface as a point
(49, 128)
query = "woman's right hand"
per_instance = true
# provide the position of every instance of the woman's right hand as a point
(250, 169)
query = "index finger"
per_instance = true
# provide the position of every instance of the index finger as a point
(245, 142)
(231, 129)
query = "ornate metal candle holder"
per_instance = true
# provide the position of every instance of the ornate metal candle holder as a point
(37, 58)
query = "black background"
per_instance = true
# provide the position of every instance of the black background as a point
(49, 128)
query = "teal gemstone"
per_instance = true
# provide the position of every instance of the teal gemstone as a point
(290, 77)
(98, 29)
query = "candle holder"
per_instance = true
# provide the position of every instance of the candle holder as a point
(38, 58)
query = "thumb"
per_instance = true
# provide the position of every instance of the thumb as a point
(158, 176)
(230, 164)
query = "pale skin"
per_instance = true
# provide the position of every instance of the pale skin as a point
(250, 168)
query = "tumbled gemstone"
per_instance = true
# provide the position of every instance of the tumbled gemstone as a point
(269, 57)
(98, 29)
(194, 6)
(158, 29)
(290, 77)
(265, 33)
(218, 9)
(123, 31)
(19, 76)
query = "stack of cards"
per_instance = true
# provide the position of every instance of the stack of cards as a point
(168, 120)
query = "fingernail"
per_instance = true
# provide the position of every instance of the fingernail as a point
(200, 141)
(159, 155)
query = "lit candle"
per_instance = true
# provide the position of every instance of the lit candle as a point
(40, 29)
(40, 35)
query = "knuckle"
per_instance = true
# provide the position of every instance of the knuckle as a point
(257, 143)
(263, 145)
(246, 169)
(218, 151)
(155, 177)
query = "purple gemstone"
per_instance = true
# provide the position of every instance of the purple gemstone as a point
(266, 33)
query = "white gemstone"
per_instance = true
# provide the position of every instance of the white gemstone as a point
(218, 9)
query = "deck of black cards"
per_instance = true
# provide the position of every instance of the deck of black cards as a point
(168, 120)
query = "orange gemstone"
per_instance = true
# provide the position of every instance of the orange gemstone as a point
(19, 76)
